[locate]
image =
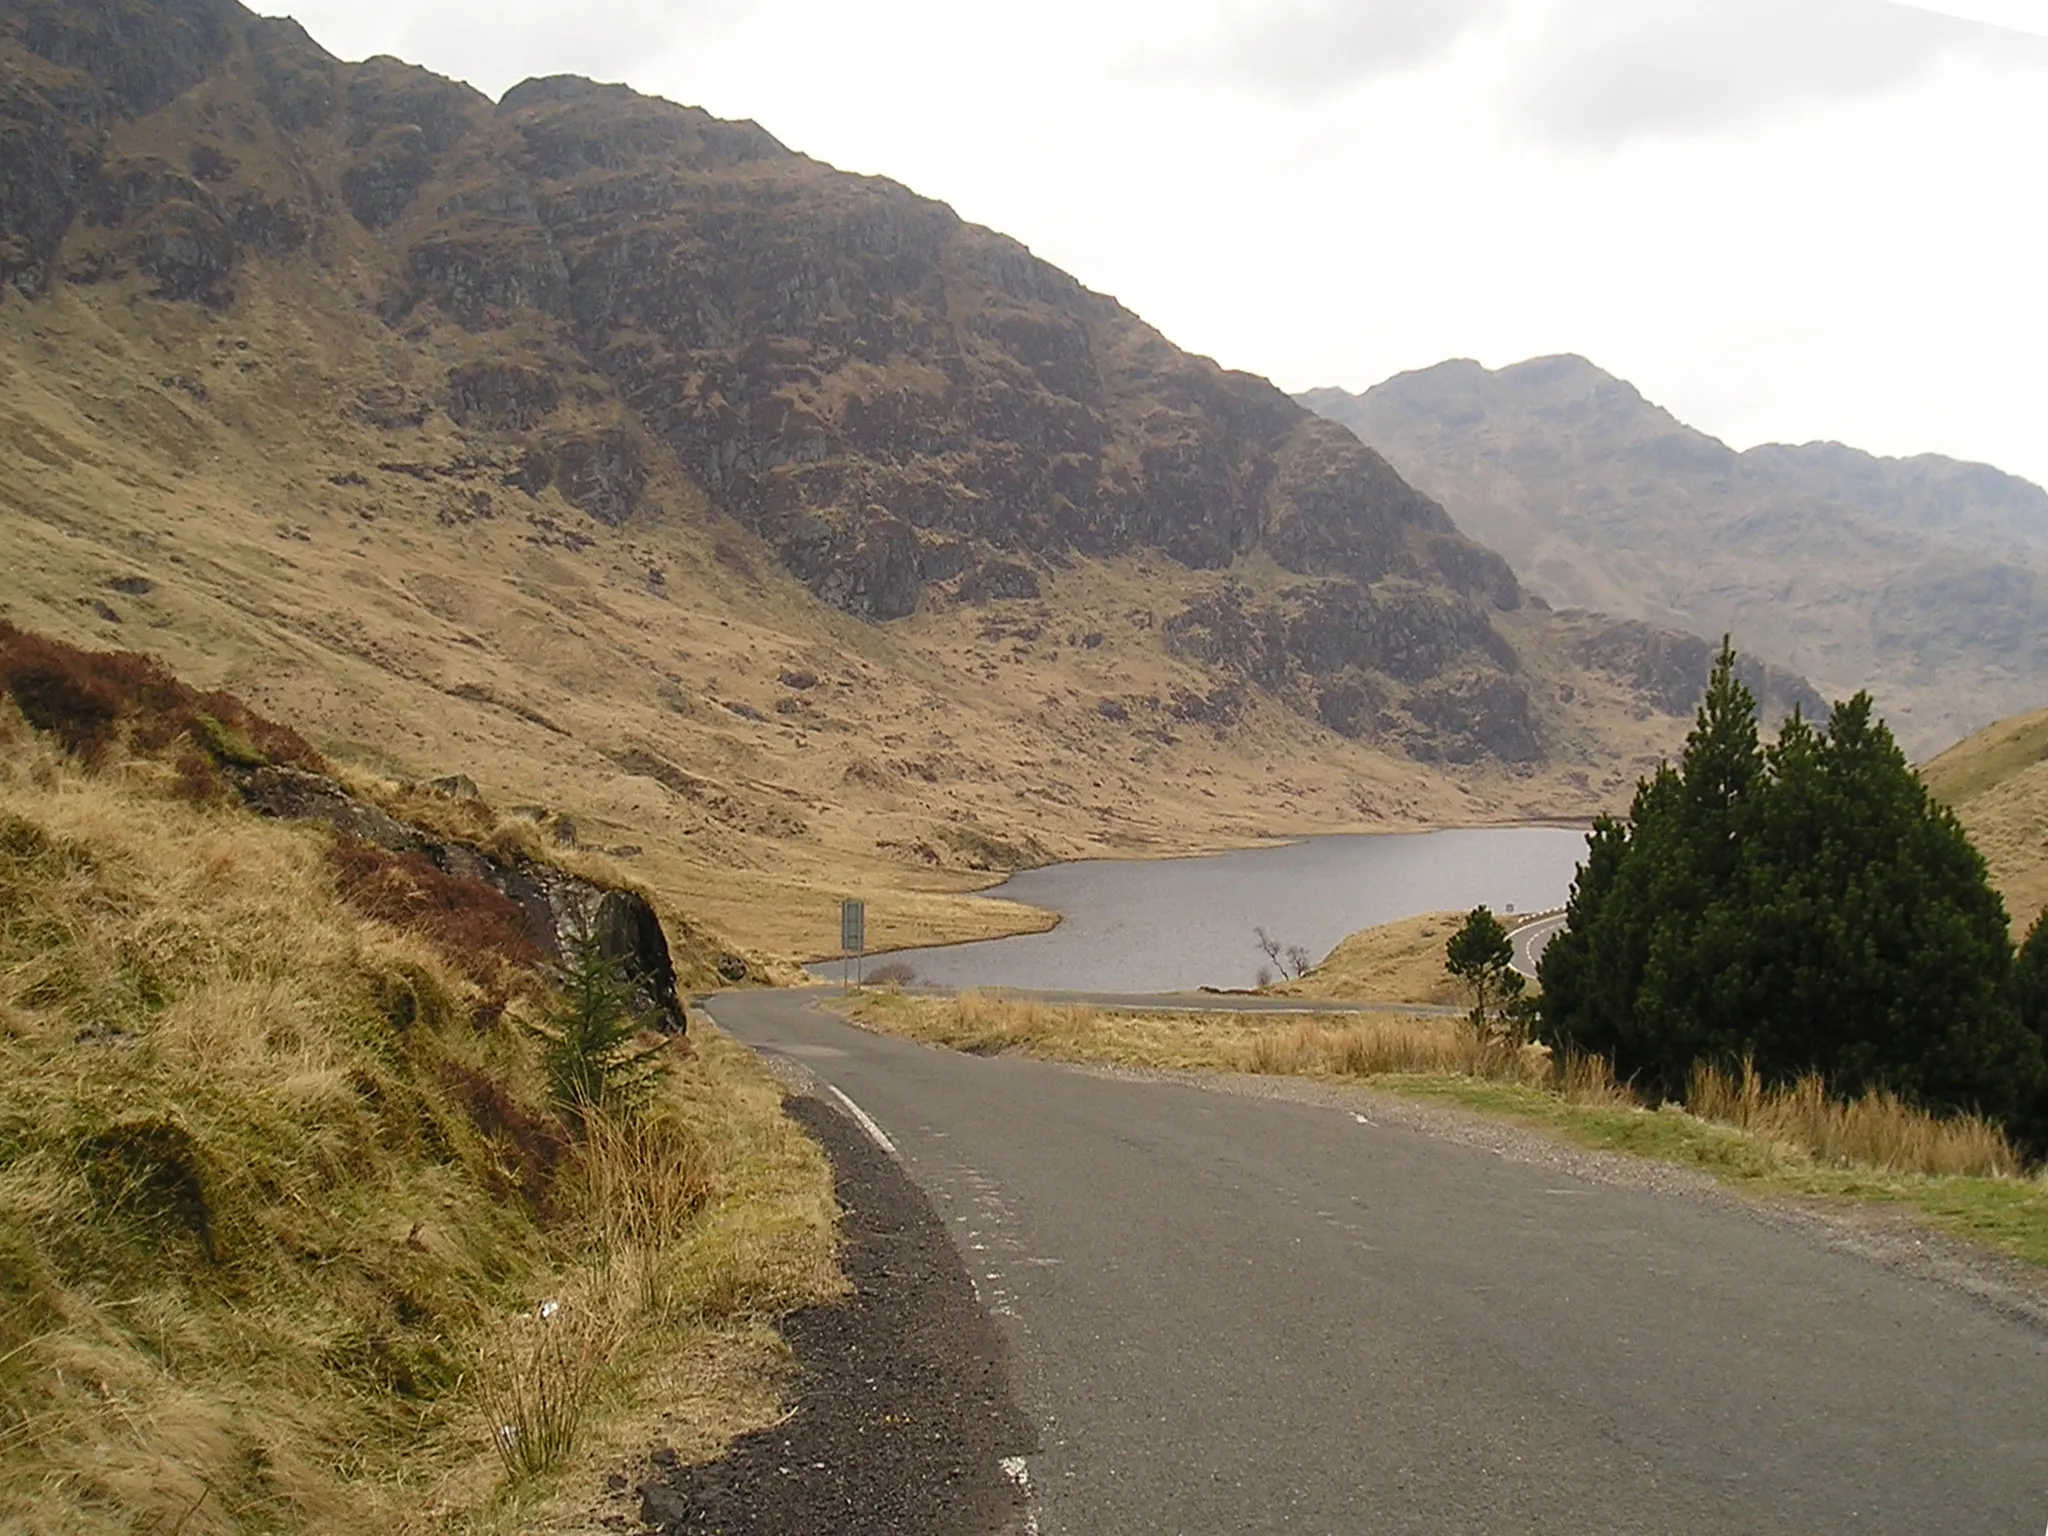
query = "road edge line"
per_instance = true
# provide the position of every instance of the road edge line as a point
(865, 1121)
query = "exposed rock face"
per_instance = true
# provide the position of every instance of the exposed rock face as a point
(1671, 670)
(560, 908)
(906, 407)
(502, 397)
(1331, 648)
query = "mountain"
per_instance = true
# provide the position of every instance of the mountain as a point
(1923, 579)
(1997, 783)
(766, 524)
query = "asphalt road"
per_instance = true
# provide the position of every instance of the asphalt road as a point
(1529, 941)
(1237, 1314)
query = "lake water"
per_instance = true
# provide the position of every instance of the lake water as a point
(1169, 925)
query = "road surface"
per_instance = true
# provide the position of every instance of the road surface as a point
(1235, 1314)
(1530, 940)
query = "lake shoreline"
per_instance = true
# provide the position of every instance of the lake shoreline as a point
(1174, 922)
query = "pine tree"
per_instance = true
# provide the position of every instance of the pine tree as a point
(1808, 908)
(1568, 971)
(590, 1046)
(1694, 999)
(2030, 1009)
(1481, 955)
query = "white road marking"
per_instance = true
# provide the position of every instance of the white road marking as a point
(1020, 1474)
(865, 1122)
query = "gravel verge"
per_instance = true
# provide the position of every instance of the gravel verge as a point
(903, 1409)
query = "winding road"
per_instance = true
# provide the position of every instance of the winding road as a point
(1237, 1308)
(1531, 939)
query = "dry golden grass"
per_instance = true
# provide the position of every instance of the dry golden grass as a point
(1877, 1131)
(1347, 1045)
(1387, 1046)
(1399, 962)
(1997, 783)
(277, 1201)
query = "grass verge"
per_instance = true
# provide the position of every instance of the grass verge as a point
(1961, 1175)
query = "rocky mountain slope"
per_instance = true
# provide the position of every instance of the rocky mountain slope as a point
(1997, 782)
(1923, 579)
(780, 527)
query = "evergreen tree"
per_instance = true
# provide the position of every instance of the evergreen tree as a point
(1809, 908)
(1691, 1004)
(590, 1045)
(1568, 972)
(1911, 942)
(2030, 1010)
(1481, 955)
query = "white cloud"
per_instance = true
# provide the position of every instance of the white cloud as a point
(1605, 71)
(494, 44)
(1323, 45)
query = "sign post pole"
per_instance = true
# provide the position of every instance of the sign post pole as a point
(853, 937)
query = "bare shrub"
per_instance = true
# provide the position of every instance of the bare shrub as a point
(893, 973)
(1293, 959)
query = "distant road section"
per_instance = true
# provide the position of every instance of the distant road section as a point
(1531, 939)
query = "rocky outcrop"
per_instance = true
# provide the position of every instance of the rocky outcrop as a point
(1396, 662)
(1671, 670)
(561, 909)
(502, 397)
(50, 141)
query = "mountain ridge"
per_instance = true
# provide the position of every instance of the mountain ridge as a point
(1924, 578)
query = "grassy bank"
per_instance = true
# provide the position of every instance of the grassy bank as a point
(1960, 1174)
(291, 1237)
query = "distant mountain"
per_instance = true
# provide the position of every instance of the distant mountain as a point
(1923, 579)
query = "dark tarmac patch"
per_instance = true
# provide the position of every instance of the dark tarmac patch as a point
(903, 1407)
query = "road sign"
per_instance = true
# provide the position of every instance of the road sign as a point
(853, 927)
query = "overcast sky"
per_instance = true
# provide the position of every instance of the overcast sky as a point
(1783, 219)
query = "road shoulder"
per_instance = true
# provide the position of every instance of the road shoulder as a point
(903, 1410)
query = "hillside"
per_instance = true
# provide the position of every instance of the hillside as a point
(285, 1181)
(1923, 579)
(766, 525)
(1997, 782)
